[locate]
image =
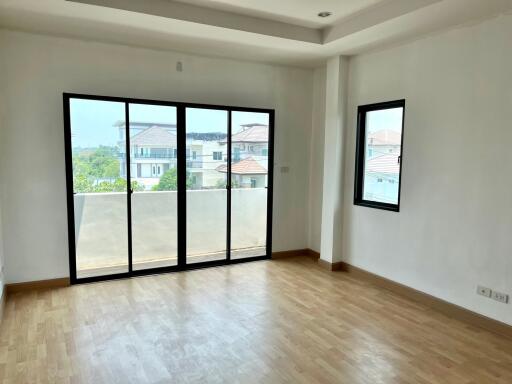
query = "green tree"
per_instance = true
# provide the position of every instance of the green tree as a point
(136, 187)
(99, 163)
(221, 184)
(119, 185)
(81, 166)
(81, 184)
(97, 170)
(104, 164)
(169, 181)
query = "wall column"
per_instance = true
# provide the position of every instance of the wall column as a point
(332, 191)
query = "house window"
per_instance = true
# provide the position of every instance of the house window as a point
(379, 125)
(217, 155)
(264, 152)
(253, 183)
(194, 155)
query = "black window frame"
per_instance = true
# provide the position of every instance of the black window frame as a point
(181, 157)
(362, 110)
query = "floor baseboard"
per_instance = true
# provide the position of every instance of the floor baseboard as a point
(451, 310)
(64, 281)
(2, 304)
(447, 308)
(329, 266)
(37, 285)
(296, 252)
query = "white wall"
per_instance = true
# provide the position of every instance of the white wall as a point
(2, 161)
(36, 70)
(2, 263)
(316, 159)
(454, 228)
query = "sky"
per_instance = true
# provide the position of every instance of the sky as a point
(384, 119)
(92, 120)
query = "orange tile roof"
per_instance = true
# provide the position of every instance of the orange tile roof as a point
(383, 164)
(247, 166)
(385, 137)
(252, 133)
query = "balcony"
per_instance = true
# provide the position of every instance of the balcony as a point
(194, 164)
(101, 228)
(150, 156)
(162, 156)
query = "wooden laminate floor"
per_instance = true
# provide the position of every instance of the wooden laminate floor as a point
(284, 321)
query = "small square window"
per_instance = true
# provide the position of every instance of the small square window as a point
(379, 155)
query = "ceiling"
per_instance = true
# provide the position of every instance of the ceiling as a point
(275, 31)
(298, 12)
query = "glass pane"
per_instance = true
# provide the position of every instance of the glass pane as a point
(99, 186)
(206, 184)
(154, 184)
(382, 155)
(249, 181)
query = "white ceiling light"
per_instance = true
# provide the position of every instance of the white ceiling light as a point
(324, 14)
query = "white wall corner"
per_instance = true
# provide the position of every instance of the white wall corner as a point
(2, 255)
(316, 150)
(2, 263)
(334, 143)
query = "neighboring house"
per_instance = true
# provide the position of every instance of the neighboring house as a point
(204, 155)
(247, 173)
(382, 166)
(251, 140)
(153, 151)
(383, 142)
(250, 156)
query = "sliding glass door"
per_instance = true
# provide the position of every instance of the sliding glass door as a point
(99, 188)
(206, 134)
(249, 182)
(199, 190)
(154, 199)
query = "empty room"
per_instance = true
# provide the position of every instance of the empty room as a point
(256, 191)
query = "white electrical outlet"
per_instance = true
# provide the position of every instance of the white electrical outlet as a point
(501, 297)
(484, 291)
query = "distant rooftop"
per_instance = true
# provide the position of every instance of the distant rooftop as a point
(144, 124)
(247, 166)
(156, 135)
(385, 137)
(387, 163)
(251, 133)
(253, 125)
